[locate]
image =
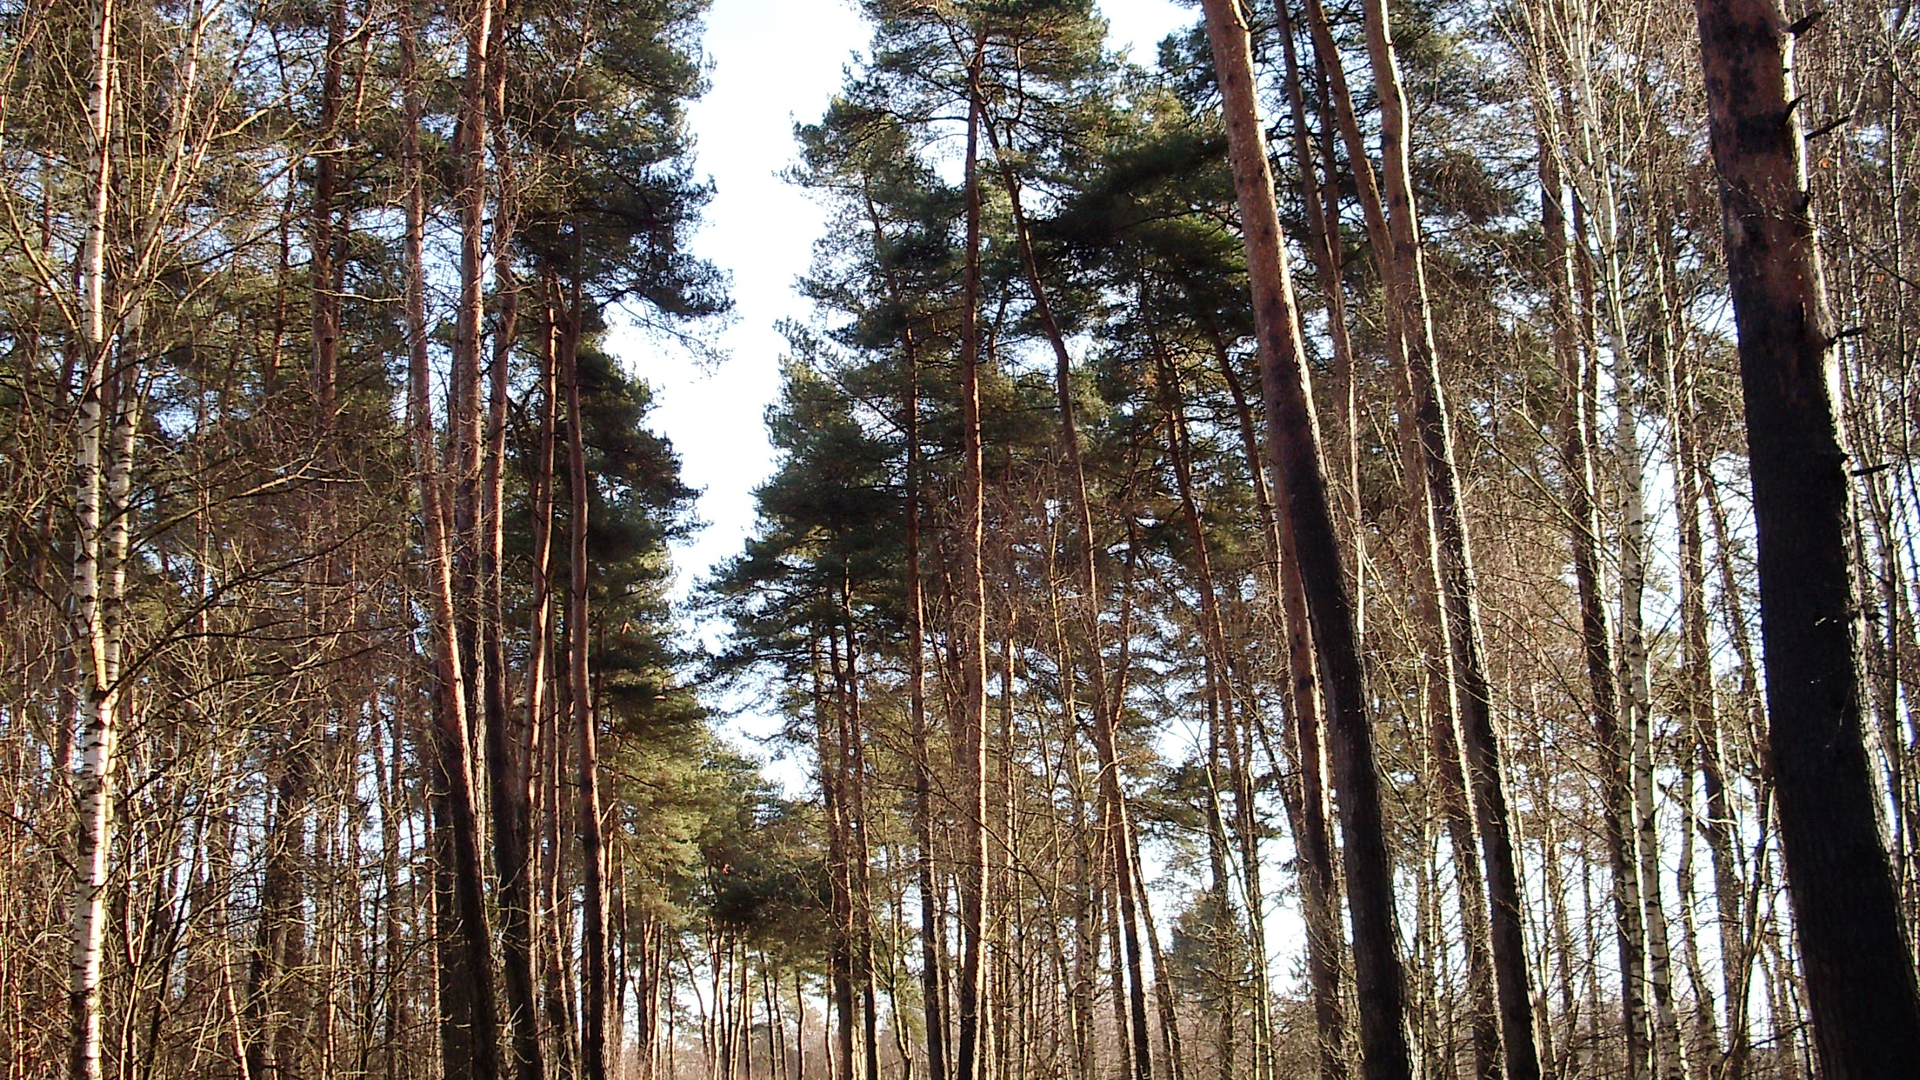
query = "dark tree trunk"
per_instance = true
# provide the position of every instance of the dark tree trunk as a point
(1859, 969)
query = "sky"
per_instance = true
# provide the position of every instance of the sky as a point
(771, 63)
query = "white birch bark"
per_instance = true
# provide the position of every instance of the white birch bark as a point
(96, 692)
(1634, 679)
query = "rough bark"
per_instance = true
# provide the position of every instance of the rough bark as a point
(1859, 970)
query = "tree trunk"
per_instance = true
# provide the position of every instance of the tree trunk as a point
(510, 737)
(1473, 700)
(1319, 887)
(1859, 970)
(1113, 794)
(933, 1015)
(1225, 713)
(512, 744)
(970, 1061)
(1294, 455)
(97, 691)
(1701, 708)
(1634, 680)
(593, 935)
(471, 1048)
(1578, 421)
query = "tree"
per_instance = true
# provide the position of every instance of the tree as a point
(1294, 456)
(1859, 968)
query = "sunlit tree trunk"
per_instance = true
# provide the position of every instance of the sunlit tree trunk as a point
(1294, 453)
(97, 693)
(1700, 706)
(1225, 727)
(595, 986)
(1579, 422)
(514, 745)
(470, 1046)
(1306, 722)
(933, 1015)
(1320, 892)
(970, 1059)
(1473, 704)
(1105, 701)
(1634, 681)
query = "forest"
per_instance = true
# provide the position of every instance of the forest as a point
(1381, 543)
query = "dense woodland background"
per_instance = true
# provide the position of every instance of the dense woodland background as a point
(347, 729)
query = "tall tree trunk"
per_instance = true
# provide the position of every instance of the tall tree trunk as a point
(1294, 455)
(1577, 492)
(396, 1010)
(471, 1048)
(1085, 890)
(510, 736)
(1165, 994)
(1444, 601)
(933, 1015)
(561, 1019)
(512, 743)
(465, 426)
(593, 935)
(97, 692)
(1578, 424)
(1634, 679)
(1225, 713)
(859, 854)
(830, 742)
(1306, 716)
(970, 1061)
(1443, 698)
(1473, 700)
(1700, 706)
(1321, 201)
(1858, 964)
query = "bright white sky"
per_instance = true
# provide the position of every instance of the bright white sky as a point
(771, 63)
